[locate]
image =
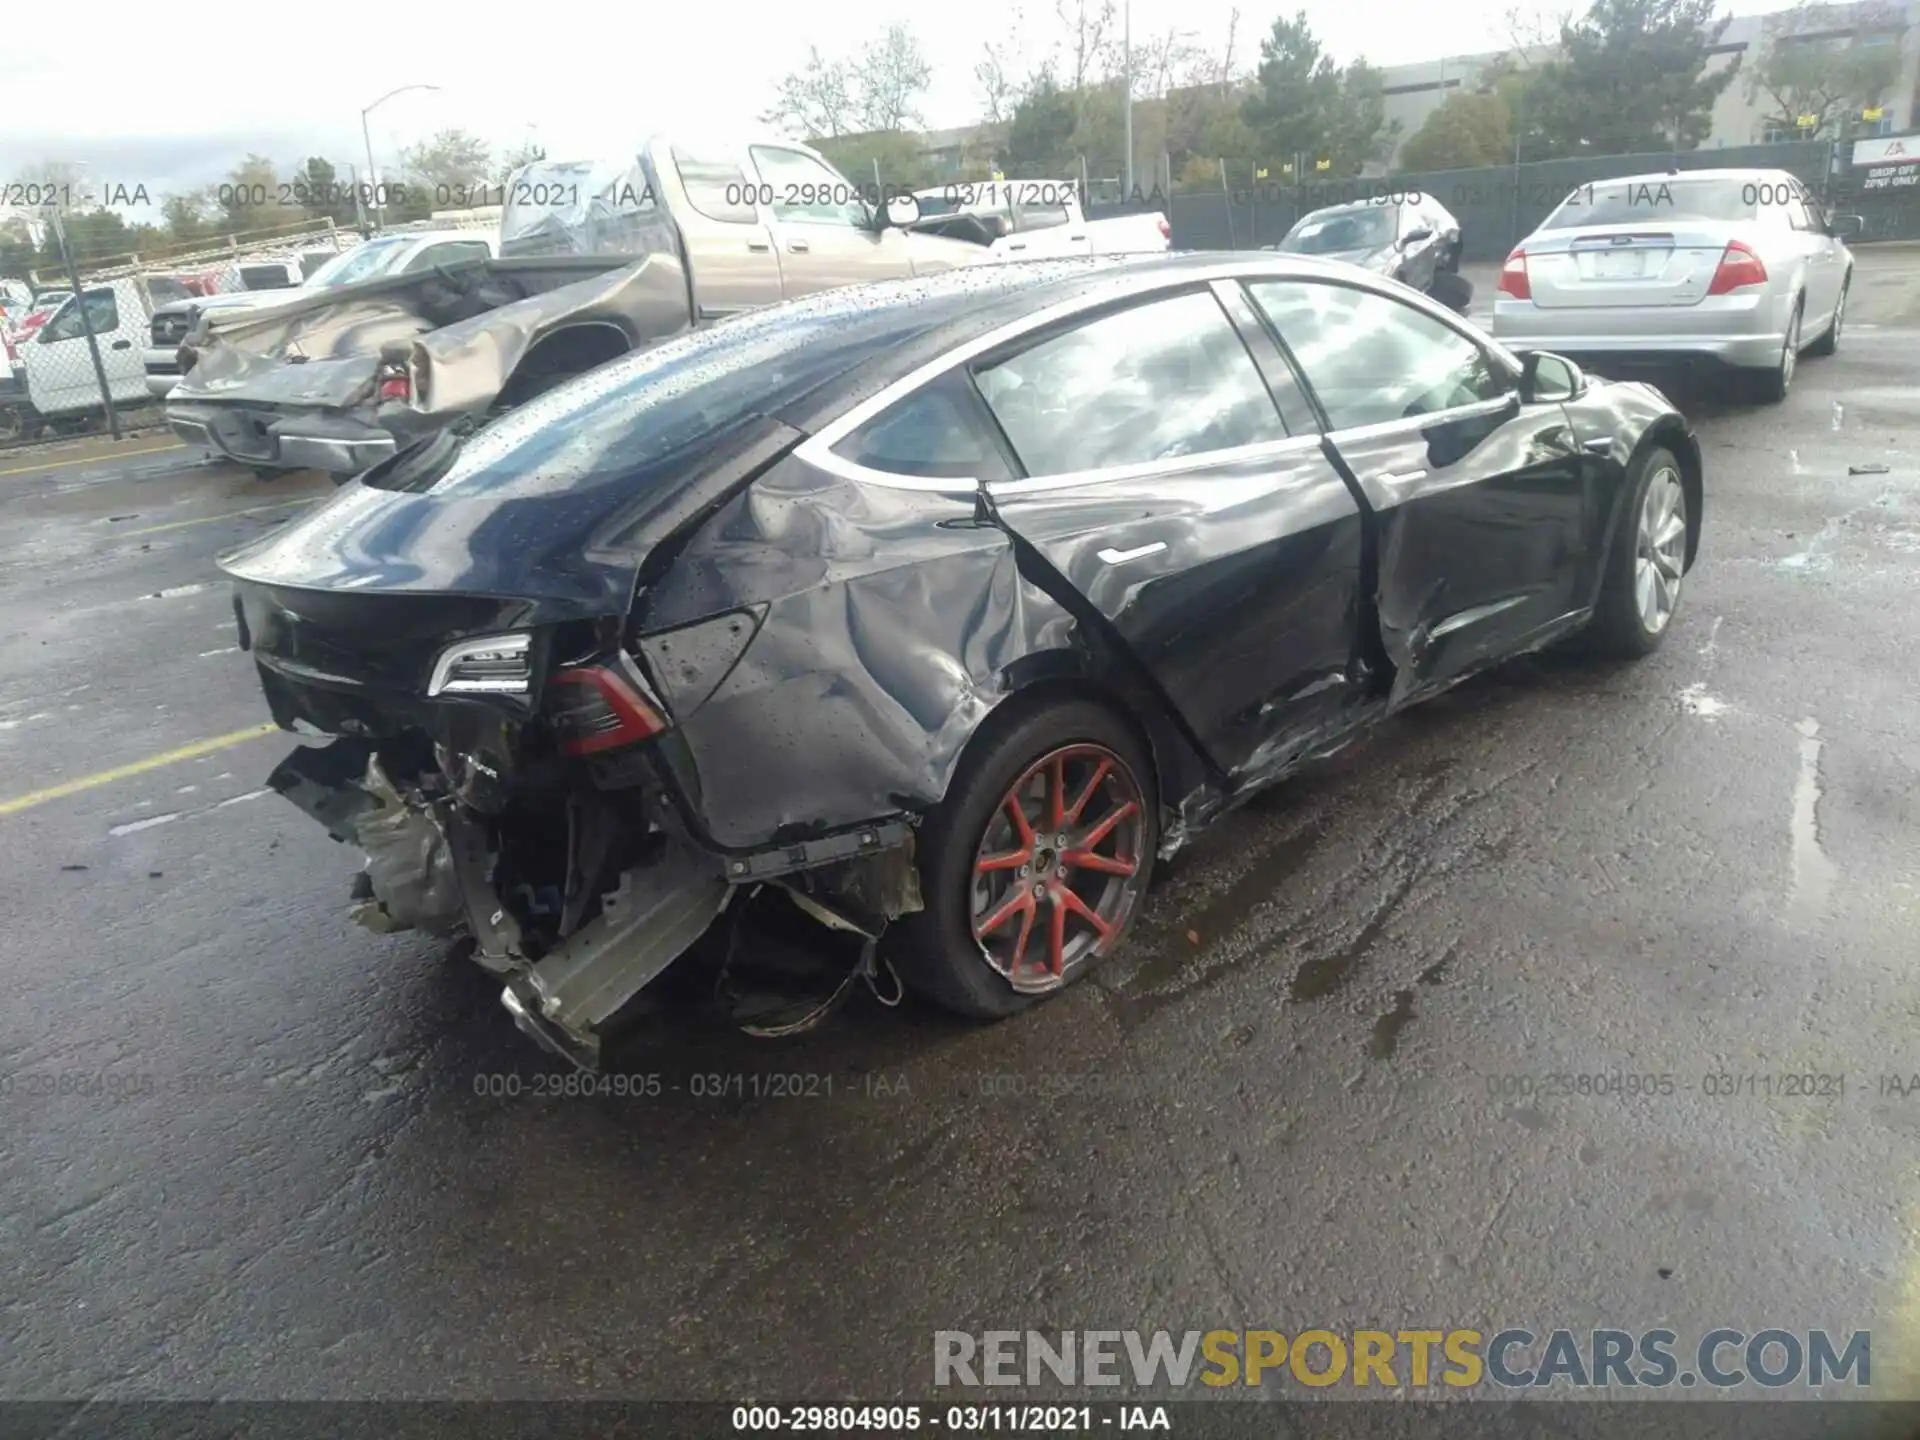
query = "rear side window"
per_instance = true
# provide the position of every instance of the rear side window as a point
(1155, 382)
(716, 187)
(937, 431)
(1372, 359)
(1659, 200)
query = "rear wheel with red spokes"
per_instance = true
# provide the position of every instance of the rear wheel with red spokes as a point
(1035, 864)
(1055, 877)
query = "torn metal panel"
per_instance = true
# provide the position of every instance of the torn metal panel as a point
(645, 923)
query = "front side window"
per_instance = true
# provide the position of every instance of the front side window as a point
(101, 313)
(806, 192)
(937, 431)
(1155, 382)
(1372, 359)
(453, 252)
(716, 187)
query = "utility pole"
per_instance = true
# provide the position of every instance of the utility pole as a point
(366, 136)
(1126, 65)
(86, 324)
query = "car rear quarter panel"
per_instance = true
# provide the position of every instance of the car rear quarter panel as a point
(893, 624)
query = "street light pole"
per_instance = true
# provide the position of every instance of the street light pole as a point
(366, 136)
(1126, 65)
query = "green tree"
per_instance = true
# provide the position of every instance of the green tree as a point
(898, 154)
(525, 153)
(1303, 103)
(1467, 131)
(1632, 77)
(815, 101)
(322, 196)
(879, 89)
(1040, 135)
(443, 167)
(1797, 76)
(249, 198)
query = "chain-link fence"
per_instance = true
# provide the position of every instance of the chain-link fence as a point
(1499, 206)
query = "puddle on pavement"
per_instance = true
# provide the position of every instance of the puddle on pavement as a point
(1386, 1030)
(1813, 872)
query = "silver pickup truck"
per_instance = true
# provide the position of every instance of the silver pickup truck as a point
(595, 260)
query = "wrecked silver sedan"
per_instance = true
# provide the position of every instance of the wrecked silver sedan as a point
(943, 607)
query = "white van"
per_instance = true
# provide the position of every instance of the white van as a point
(60, 378)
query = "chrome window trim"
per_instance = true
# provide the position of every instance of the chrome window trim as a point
(1128, 284)
(1383, 428)
(517, 643)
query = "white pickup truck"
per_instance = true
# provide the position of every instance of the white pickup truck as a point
(1039, 219)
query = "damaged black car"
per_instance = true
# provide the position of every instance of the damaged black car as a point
(943, 607)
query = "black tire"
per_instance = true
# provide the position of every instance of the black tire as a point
(1829, 340)
(1618, 629)
(1770, 387)
(935, 949)
(1453, 291)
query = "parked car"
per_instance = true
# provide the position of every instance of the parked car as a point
(1737, 271)
(1410, 237)
(60, 380)
(168, 356)
(1033, 219)
(596, 260)
(944, 605)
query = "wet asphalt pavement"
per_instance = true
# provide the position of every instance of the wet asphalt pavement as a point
(1300, 1098)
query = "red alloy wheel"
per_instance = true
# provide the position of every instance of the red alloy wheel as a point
(1057, 874)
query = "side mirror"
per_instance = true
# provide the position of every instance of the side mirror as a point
(1414, 237)
(1845, 227)
(1546, 377)
(901, 211)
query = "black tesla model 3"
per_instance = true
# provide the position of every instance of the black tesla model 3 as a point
(945, 606)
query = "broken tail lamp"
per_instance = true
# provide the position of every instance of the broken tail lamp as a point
(600, 707)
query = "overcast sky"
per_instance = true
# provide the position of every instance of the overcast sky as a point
(172, 101)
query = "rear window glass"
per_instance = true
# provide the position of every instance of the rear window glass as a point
(164, 290)
(1662, 199)
(617, 423)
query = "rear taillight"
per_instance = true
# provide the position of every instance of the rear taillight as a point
(394, 384)
(1166, 229)
(595, 707)
(1513, 277)
(1739, 268)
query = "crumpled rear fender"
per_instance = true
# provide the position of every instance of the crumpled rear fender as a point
(886, 625)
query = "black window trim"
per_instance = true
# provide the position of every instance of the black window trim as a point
(1025, 484)
(816, 449)
(1500, 359)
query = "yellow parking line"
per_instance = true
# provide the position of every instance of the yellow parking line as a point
(223, 515)
(138, 767)
(89, 459)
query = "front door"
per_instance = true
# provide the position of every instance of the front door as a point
(822, 228)
(1159, 480)
(1487, 508)
(60, 373)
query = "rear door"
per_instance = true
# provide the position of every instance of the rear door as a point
(729, 246)
(821, 226)
(1487, 507)
(1159, 476)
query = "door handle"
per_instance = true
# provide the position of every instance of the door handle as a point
(1387, 477)
(123, 344)
(759, 247)
(1120, 557)
(1021, 246)
(798, 247)
(1076, 237)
